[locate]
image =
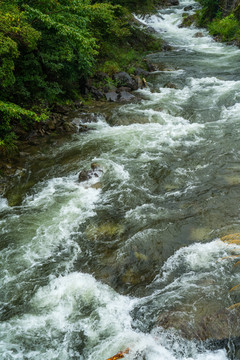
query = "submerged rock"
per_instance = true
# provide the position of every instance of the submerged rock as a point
(107, 231)
(188, 8)
(198, 34)
(218, 325)
(170, 85)
(85, 175)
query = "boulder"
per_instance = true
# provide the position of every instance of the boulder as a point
(84, 175)
(111, 96)
(188, 8)
(123, 88)
(124, 79)
(140, 71)
(216, 325)
(109, 87)
(126, 96)
(173, 2)
(152, 67)
(96, 93)
(166, 47)
(151, 30)
(138, 81)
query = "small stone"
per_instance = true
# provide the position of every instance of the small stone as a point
(84, 176)
(96, 185)
(95, 166)
(188, 8)
(138, 81)
(198, 34)
(170, 85)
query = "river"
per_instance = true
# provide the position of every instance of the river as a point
(88, 269)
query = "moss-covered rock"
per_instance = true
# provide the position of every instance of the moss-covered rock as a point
(107, 231)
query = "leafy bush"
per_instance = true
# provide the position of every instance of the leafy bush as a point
(228, 28)
(49, 47)
(10, 115)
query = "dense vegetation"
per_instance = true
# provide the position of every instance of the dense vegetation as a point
(48, 48)
(222, 19)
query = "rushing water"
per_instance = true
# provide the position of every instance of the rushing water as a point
(87, 269)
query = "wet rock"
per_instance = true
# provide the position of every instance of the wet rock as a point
(95, 166)
(84, 175)
(188, 8)
(166, 47)
(20, 172)
(51, 124)
(95, 171)
(61, 109)
(125, 79)
(170, 85)
(151, 30)
(23, 153)
(188, 21)
(123, 88)
(172, 2)
(97, 185)
(109, 87)
(105, 231)
(111, 96)
(96, 93)
(79, 126)
(126, 96)
(69, 127)
(138, 81)
(140, 71)
(198, 34)
(152, 67)
(102, 75)
(217, 325)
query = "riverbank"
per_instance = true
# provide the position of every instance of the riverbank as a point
(36, 76)
(121, 71)
(222, 19)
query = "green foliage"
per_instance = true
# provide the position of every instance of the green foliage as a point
(209, 10)
(12, 114)
(49, 47)
(227, 28)
(136, 5)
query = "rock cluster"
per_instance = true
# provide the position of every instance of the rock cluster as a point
(119, 87)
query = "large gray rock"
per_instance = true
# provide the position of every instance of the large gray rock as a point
(125, 79)
(217, 325)
(126, 96)
(111, 96)
(139, 71)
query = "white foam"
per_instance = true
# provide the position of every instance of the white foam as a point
(78, 304)
(3, 204)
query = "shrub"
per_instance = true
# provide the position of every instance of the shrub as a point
(228, 28)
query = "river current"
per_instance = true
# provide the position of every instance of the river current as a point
(88, 269)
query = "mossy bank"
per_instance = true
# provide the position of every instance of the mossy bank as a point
(64, 52)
